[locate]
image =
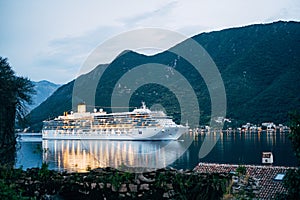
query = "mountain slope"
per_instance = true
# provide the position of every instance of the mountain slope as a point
(43, 90)
(263, 72)
(259, 65)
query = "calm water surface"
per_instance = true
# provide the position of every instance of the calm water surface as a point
(78, 155)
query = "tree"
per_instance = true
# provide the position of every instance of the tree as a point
(295, 133)
(292, 177)
(15, 93)
(241, 170)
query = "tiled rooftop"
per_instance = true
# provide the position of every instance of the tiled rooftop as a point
(264, 174)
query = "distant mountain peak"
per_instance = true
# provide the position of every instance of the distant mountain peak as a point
(43, 89)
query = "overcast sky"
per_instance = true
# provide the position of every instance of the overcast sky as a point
(52, 39)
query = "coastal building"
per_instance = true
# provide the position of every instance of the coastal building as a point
(267, 158)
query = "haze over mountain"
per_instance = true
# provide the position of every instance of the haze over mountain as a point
(259, 65)
(43, 90)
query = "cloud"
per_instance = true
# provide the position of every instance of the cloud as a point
(51, 39)
(64, 56)
(290, 12)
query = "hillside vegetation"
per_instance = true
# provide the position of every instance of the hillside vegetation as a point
(259, 65)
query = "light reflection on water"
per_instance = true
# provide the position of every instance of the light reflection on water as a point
(78, 155)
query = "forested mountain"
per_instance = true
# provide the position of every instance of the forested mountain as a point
(259, 65)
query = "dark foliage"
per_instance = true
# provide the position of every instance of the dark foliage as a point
(107, 183)
(294, 135)
(15, 93)
(292, 178)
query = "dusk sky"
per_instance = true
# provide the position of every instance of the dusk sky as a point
(50, 40)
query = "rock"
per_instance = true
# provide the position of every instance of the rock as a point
(128, 194)
(123, 188)
(36, 193)
(132, 187)
(84, 191)
(144, 179)
(169, 186)
(20, 181)
(122, 195)
(97, 170)
(144, 186)
(101, 185)
(165, 195)
(137, 181)
(153, 174)
(93, 185)
(161, 170)
(148, 170)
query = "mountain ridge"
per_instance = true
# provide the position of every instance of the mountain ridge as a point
(43, 90)
(259, 65)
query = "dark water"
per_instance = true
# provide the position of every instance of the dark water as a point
(241, 148)
(78, 155)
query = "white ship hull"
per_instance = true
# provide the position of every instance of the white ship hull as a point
(149, 133)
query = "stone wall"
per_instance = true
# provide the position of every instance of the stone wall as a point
(110, 183)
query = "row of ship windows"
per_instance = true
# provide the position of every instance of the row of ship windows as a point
(108, 131)
(101, 122)
(89, 132)
(91, 127)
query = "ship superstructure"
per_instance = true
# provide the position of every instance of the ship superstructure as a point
(139, 124)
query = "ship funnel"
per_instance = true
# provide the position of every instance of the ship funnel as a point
(81, 108)
(143, 105)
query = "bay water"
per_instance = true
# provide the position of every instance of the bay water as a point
(81, 155)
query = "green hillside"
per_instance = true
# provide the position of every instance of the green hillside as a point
(259, 65)
(261, 73)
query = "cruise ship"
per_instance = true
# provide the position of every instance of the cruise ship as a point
(139, 124)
